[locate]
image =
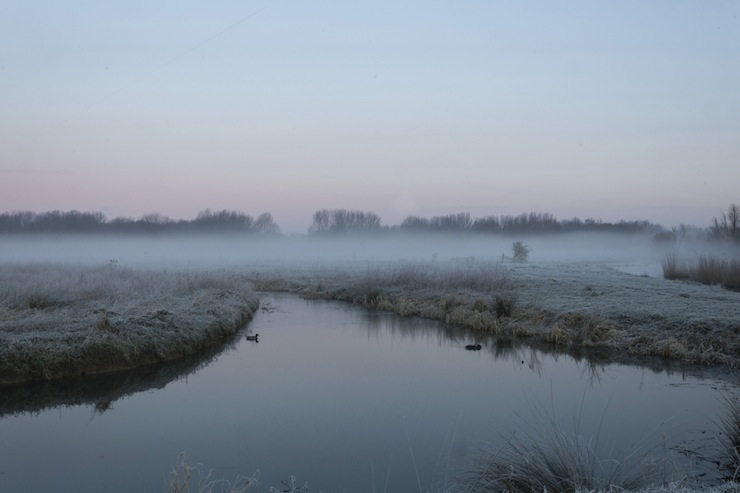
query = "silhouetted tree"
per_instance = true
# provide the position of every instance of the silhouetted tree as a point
(728, 224)
(452, 222)
(223, 221)
(488, 224)
(343, 221)
(265, 224)
(415, 223)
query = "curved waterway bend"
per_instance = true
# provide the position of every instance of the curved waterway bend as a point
(347, 400)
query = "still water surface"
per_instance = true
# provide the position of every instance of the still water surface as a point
(347, 400)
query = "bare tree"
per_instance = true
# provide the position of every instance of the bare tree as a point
(344, 221)
(732, 217)
(265, 224)
(728, 224)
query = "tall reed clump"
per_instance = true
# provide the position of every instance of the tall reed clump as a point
(550, 458)
(729, 425)
(672, 268)
(707, 270)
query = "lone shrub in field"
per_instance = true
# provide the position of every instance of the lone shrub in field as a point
(521, 251)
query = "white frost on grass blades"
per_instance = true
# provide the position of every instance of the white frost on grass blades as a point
(571, 305)
(60, 320)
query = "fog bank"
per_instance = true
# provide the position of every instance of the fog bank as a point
(236, 251)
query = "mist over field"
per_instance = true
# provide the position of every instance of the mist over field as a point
(239, 251)
(235, 239)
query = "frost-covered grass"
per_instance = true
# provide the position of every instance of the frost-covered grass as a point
(60, 320)
(707, 269)
(187, 477)
(730, 436)
(543, 454)
(575, 307)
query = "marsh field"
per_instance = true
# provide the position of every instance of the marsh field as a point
(382, 364)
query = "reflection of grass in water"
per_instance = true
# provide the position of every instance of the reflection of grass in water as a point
(551, 458)
(103, 390)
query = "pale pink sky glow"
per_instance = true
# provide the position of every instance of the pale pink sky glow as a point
(626, 110)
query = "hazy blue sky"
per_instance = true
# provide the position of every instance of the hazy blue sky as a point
(614, 110)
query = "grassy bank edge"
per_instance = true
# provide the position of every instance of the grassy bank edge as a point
(94, 325)
(494, 311)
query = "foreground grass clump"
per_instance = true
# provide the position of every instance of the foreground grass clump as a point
(729, 437)
(707, 270)
(60, 321)
(550, 458)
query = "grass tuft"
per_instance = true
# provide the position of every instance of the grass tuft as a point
(549, 458)
(558, 336)
(729, 436)
(672, 269)
(503, 306)
(188, 478)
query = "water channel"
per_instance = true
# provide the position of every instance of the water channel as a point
(342, 398)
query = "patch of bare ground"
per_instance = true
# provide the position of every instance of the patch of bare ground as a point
(576, 308)
(58, 321)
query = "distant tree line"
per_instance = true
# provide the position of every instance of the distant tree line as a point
(330, 221)
(533, 222)
(346, 221)
(207, 221)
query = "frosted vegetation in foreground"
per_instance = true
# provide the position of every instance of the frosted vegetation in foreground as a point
(57, 321)
(541, 457)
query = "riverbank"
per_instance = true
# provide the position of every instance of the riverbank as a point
(58, 321)
(578, 308)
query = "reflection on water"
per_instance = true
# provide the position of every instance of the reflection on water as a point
(102, 390)
(346, 399)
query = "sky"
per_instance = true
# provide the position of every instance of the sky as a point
(612, 110)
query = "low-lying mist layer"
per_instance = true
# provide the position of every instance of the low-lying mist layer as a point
(214, 250)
